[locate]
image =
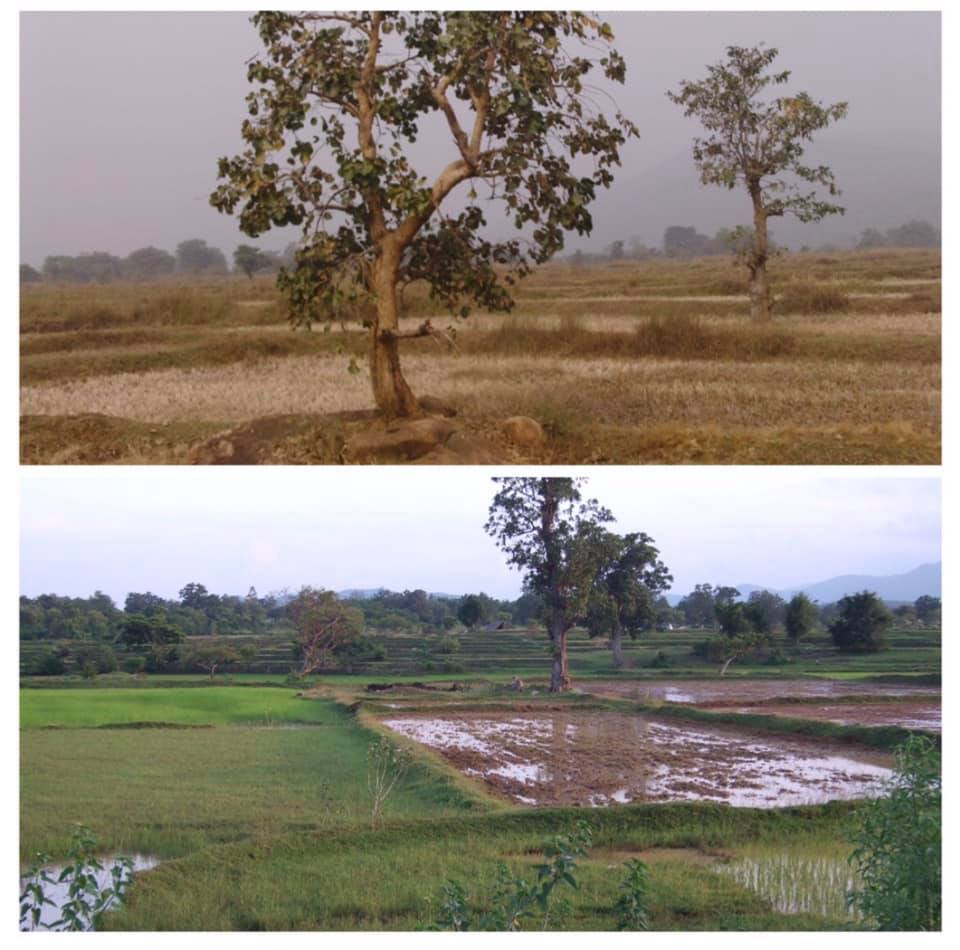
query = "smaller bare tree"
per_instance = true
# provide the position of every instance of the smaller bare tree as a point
(759, 144)
(322, 626)
(386, 766)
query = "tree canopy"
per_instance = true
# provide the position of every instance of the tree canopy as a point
(757, 142)
(339, 100)
(555, 537)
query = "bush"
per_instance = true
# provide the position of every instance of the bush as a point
(47, 663)
(898, 845)
(860, 623)
(660, 661)
(134, 664)
(812, 298)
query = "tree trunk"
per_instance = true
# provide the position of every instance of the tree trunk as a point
(393, 396)
(616, 645)
(559, 671)
(759, 285)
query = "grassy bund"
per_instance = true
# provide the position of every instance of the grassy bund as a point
(633, 362)
(254, 796)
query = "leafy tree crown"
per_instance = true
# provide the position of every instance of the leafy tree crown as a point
(757, 140)
(340, 97)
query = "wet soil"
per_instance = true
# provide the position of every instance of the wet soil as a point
(714, 691)
(908, 714)
(598, 758)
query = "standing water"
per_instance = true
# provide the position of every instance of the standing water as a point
(59, 893)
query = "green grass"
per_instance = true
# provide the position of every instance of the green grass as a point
(171, 791)
(192, 706)
(391, 878)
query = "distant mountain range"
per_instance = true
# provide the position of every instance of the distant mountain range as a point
(894, 588)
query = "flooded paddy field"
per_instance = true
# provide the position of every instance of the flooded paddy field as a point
(748, 691)
(599, 758)
(909, 714)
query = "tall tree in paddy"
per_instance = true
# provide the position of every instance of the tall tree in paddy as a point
(340, 98)
(758, 142)
(550, 533)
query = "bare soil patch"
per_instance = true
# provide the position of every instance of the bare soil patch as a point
(752, 691)
(909, 715)
(594, 759)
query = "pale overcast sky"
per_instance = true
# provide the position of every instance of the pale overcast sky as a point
(403, 528)
(123, 115)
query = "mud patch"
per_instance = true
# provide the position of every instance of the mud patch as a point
(908, 715)
(706, 691)
(598, 759)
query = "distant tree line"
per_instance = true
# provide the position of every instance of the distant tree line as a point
(193, 257)
(911, 234)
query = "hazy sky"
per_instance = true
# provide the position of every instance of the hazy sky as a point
(404, 528)
(123, 116)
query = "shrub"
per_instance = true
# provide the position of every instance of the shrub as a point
(47, 663)
(812, 298)
(898, 845)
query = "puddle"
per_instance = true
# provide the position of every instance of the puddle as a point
(59, 893)
(609, 758)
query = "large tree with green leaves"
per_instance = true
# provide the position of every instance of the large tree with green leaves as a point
(549, 532)
(340, 98)
(861, 621)
(801, 616)
(624, 596)
(757, 141)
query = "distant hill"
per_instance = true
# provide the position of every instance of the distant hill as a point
(924, 579)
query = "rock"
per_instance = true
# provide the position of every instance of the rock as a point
(524, 431)
(401, 441)
(436, 407)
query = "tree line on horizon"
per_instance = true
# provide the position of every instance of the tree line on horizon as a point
(191, 258)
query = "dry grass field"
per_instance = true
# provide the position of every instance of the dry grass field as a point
(629, 363)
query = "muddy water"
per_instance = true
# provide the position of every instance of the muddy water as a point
(750, 691)
(606, 758)
(908, 714)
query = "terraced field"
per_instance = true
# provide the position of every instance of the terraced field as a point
(631, 362)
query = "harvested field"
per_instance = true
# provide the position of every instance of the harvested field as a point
(598, 758)
(631, 363)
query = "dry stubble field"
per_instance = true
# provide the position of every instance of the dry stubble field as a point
(630, 362)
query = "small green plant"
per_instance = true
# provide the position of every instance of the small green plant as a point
(631, 906)
(516, 899)
(386, 765)
(897, 841)
(87, 898)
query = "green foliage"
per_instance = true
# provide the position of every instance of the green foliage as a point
(87, 899)
(556, 538)
(860, 623)
(386, 766)
(629, 577)
(897, 840)
(470, 611)
(750, 140)
(322, 625)
(516, 899)
(631, 906)
(800, 617)
(249, 259)
(337, 100)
